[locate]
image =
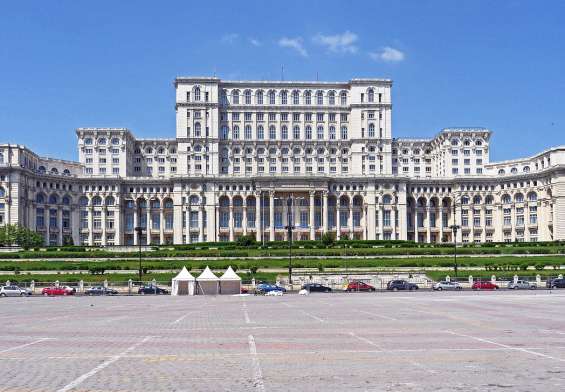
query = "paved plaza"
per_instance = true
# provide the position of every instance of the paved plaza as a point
(464, 341)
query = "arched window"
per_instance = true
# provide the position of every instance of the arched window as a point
(371, 95)
(259, 97)
(295, 97)
(54, 170)
(343, 133)
(115, 141)
(284, 97)
(465, 200)
(247, 132)
(526, 169)
(235, 132)
(148, 150)
(96, 201)
(320, 132)
(513, 170)
(296, 151)
(308, 132)
(88, 141)
(478, 142)
(532, 196)
(110, 201)
(194, 200)
(102, 141)
(489, 200)
(66, 200)
(168, 203)
(225, 132)
(260, 132)
(235, 97)
(2, 192)
(273, 151)
(284, 132)
(371, 130)
(272, 132)
(331, 98)
(506, 199)
(248, 97)
(308, 97)
(477, 199)
(387, 199)
(320, 98)
(197, 93)
(519, 198)
(454, 142)
(197, 130)
(272, 97)
(332, 133)
(343, 98)
(53, 199)
(40, 199)
(296, 132)
(83, 201)
(501, 172)
(466, 142)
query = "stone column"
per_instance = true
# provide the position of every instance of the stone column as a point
(135, 223)
(338, 221)
(118, 229)
(415, 218)
(312, 217)
(244, 218)
(483, 225)
(364, 221)
(148, 222)
(393, 222)
(440, 223)
(428, 224)
(351, 227)
(161, 225)
(325, 211)
(104, 212)
(201, 224)
(60, 225)
(230, 223)
(380, 222)
(90, 225)
(177, 223)
(458, 222)
(187, 224)
(258, 218)
(402, 225)
(271, 216)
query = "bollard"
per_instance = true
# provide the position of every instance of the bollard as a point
(8, 283)
(515, 279)
(81, 286)
(471, 280)
(56, 283)
(448, 278)
(538, 280)
(105, 283)
(493, 279)
(32, 286)
(130, 284)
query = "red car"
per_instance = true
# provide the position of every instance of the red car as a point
(359, 286)
(61, 290)
(484, 285)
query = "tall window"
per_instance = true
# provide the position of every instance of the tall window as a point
(235, 97)
(320, 133)
(308, 98)
(235, 133)
(343, 133)
(295, 98)
(272, 97)
(343, 98)
(260, 132)
(247, 132)
(371, 130)
(371, 95)
(320, 98)
(259, 97)
(284, 97)
(248, 97)
(272, 132)
(284, 132)
(332, 133)
(197, 130)
(331, 98)
(197, 93)
(224, 133)
(308, 132)
(296, 133)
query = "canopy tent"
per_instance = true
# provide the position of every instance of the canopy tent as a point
(230, 282)
(207, 283)
(183, 283)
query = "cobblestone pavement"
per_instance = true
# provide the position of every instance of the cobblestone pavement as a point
(368, 342)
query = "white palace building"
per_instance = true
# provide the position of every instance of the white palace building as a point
(243, 149)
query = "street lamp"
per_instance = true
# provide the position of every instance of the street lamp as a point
(454, 227)
(139, 231)
(289, 228)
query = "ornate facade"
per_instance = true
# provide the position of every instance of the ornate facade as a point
(250, 154)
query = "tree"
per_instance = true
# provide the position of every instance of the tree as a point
(328, 240)
(18, 235)
(246, 240)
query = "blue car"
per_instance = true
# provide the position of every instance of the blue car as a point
(267, 287)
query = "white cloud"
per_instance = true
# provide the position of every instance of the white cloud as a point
(339, 43)
(229, 38)
(388, 54)
(294, 43)
(254, 42)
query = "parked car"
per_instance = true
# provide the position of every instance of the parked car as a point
(395, 285)
(484, 285)
(557, 283)
(359, 286)
(14, 291)
(151, 289)
(316, 288)
(58, 290)
(264, 288)
(445, 285)
(274, 293)
(100, 290)
(522, 284)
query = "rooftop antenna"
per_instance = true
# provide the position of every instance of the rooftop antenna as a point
(317, 79)
(215, 71)
(282, 73)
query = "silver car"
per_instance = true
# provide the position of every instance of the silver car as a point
(13, 291)
(445, 285)
(522, 284)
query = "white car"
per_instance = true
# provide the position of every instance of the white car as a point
(13, 291)
(274, 293)
(445, 285)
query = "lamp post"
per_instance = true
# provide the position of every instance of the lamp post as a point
(139, 231)
(289, 228)
(454, 227)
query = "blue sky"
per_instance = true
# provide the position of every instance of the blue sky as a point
(69, 64)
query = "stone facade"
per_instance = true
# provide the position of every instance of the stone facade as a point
(250, 154)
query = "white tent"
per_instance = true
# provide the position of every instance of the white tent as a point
(208, 283)
(183, 283)
(230, 282)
